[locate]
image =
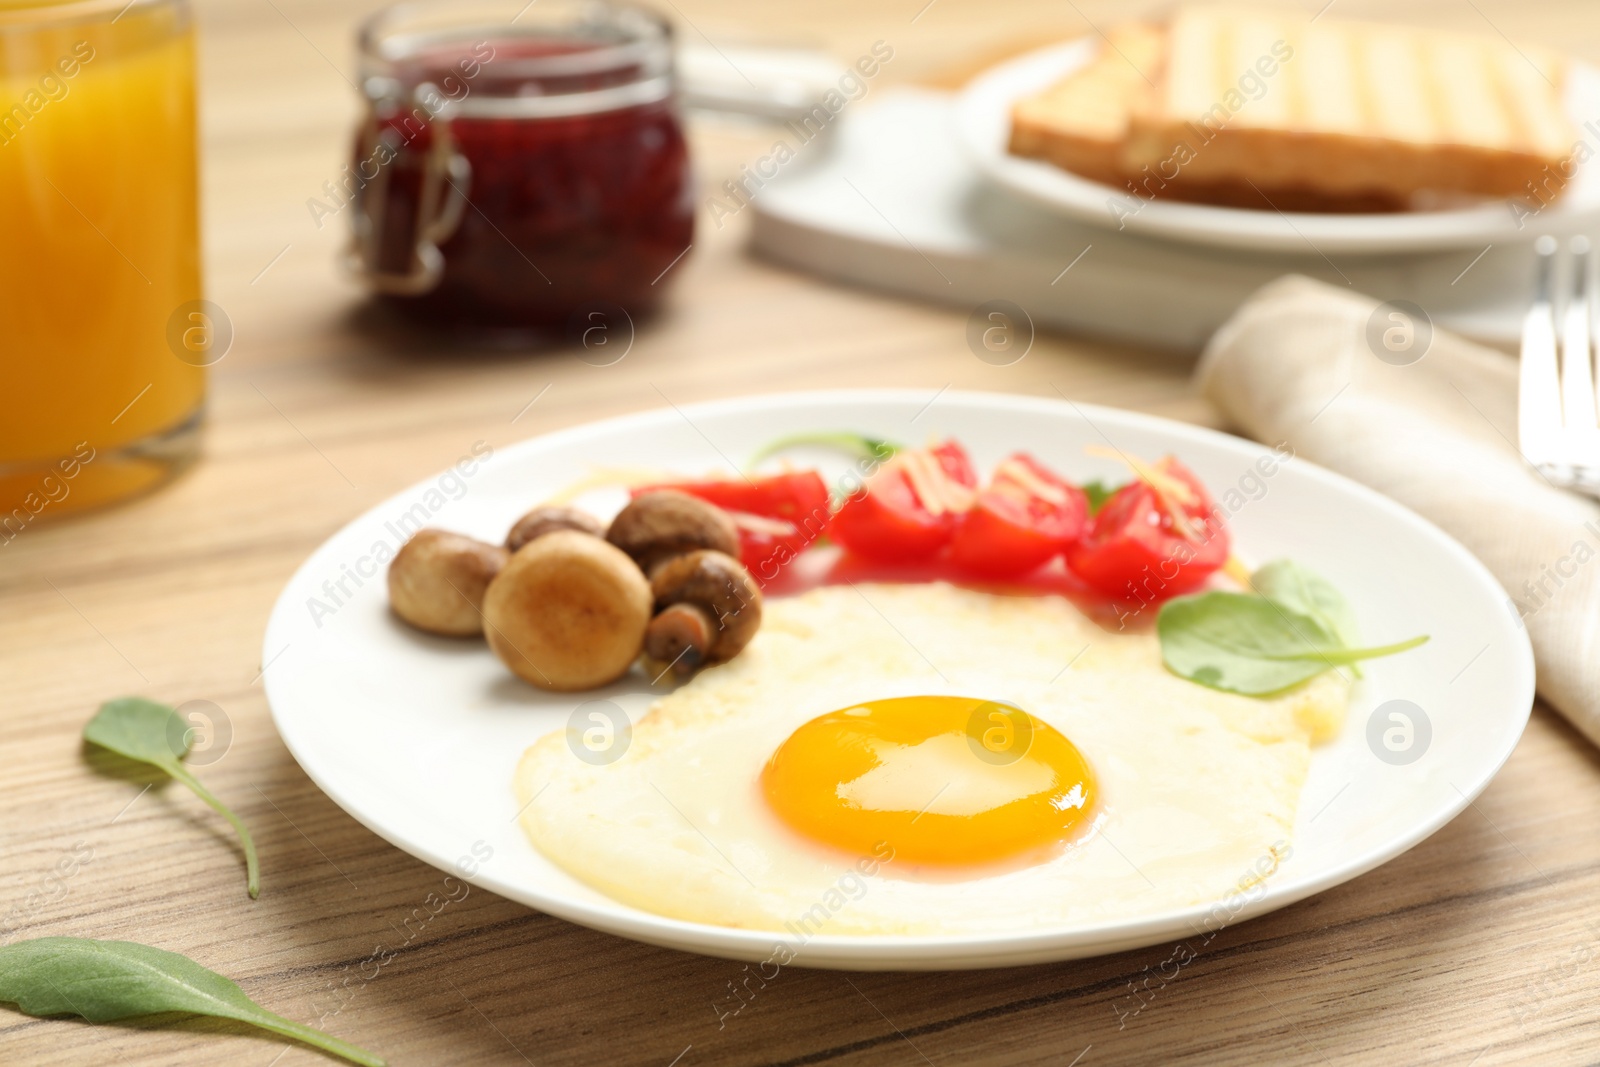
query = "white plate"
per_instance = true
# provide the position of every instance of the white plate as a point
(983, 123)
(417, 737)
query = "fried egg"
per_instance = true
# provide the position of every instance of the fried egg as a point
(927, 759)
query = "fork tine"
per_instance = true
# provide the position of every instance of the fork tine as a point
(1577, 370)
(1539, 392)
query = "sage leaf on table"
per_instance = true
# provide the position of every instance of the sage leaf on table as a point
(1244, 643)
(107, 980)
(156, 734)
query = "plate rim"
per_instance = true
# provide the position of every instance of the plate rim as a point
(898, 951)
(1044, 184)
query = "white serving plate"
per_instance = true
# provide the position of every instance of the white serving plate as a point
(983, 125)
(417, 737)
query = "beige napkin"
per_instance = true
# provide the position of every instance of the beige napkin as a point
(1294, 364)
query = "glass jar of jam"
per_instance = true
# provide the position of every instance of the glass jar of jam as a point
(520, 163)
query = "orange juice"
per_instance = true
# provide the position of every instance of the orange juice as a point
(103, 339)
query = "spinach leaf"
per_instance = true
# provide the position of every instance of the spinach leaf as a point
(1249, 644)
(852, 444)
(106, 980)
(156, 734)
(1098, 493)
(1303, 590)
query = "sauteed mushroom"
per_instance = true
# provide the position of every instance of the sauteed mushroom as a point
(437, 581)
(658, 525)
(548, 518)
(567, 612)
(708, 608)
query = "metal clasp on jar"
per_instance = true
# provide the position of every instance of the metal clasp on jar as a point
(400, 253)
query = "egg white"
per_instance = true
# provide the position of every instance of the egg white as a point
(1197, 789)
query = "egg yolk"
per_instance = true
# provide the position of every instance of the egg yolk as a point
(940, 779)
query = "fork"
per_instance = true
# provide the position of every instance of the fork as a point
(1556, 406)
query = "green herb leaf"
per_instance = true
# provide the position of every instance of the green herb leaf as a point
(141, 730)
(106, 980)
(852, 444)
(1249, 644)
(156, 734)
(1098, 493)
(1239, 643)
(1303, 590)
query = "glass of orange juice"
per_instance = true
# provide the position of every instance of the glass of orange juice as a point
(104, 335)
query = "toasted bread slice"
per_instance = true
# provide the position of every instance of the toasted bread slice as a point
(1081, 122)
(1266, 101)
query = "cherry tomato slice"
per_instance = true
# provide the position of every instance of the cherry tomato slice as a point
(1136, 550)
(892, 520)
(1025, 517)
(778, 516)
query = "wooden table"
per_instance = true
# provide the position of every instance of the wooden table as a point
(1481, 946)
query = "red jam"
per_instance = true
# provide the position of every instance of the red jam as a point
(578, 194)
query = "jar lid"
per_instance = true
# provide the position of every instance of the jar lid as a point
(516, 59)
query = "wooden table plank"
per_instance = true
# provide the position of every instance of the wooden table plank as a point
(1479, 946)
